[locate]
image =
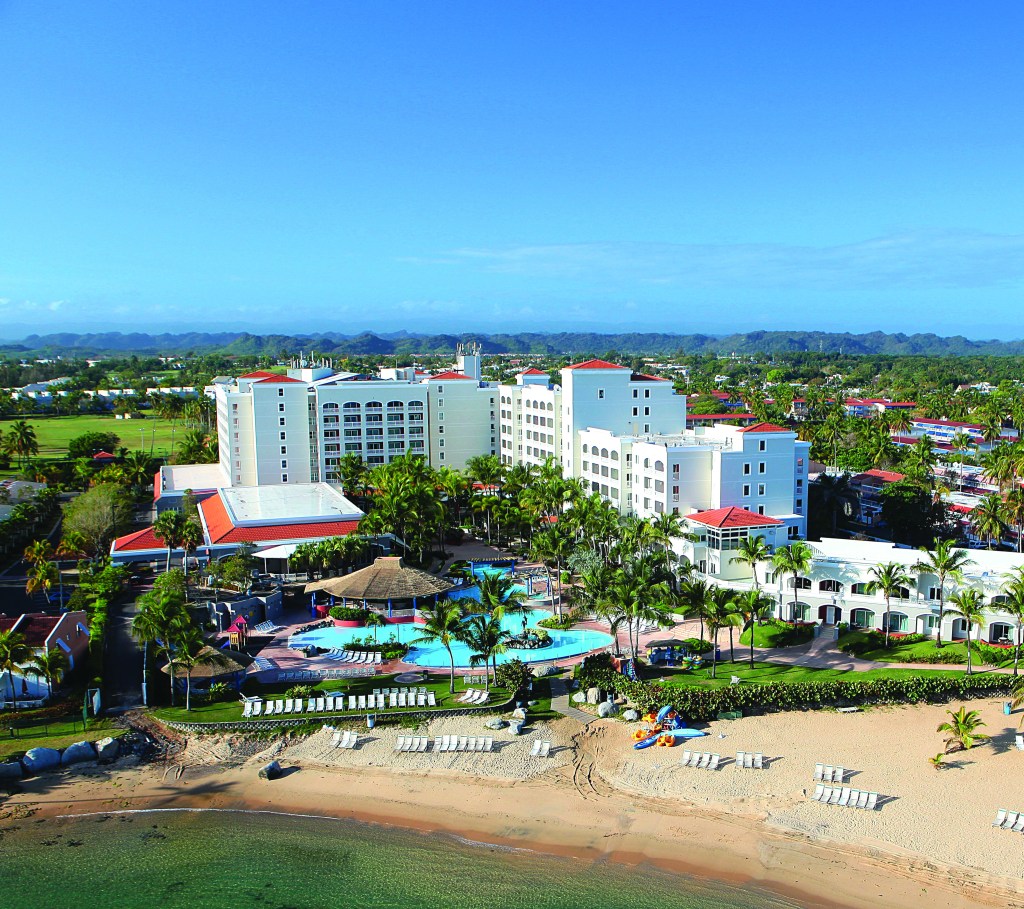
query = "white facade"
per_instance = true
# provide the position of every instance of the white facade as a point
(295, 429)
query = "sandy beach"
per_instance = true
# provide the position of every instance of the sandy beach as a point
(596, 797)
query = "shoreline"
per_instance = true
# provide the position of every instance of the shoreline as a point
(549, 814)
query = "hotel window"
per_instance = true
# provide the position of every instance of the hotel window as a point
(635, 392)
(647, 392)
(799, 504)
(746, 470)
(600, 393)
(761, 467)
(760, 489)
(440, 402)
(746, 489)
(284, 449)
(280, 392)
(283, 436)
(280, 407)
(280, 421)
(647, 427)
(799, 485)
(636, 411)
(440, 389)
(934, 593)
(762, 445)
(284, 465)
(284, 478)
(760, 509)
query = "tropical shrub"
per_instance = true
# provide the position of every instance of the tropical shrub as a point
(220, 691)
(857, 643)
(513, 676)
(349, 613)
(559, 623)
(300, 691)
(698, 645)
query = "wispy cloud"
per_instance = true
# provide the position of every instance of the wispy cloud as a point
(925, 260)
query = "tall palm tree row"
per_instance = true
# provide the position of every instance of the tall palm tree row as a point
(969, 604)
(946, 563)
(891, 580)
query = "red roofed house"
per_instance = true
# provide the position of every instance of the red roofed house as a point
(67, 632)
(271, 515)
(720, 533)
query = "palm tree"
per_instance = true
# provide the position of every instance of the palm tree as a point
(160, 620)
(51, 665)
(751, 605)
(38, 551)
(835, 495)
(1013, 512)
(987, 518)
(969, 605)
(13, 651)
(961, 443)
(41, 577)
(374, 620)
(443, 625)
(1013, 604)
(486, 639)
(190, 538)
(191, 651)
(751, 553)
(945, 561)
(553, 548)
(890, 579)
(694, 598)
(22, 439)
(962, 727)
(168, 528)
(138, 469)
(794, 559)
(721, 614)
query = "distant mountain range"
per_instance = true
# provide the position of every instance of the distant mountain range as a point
(537, 343)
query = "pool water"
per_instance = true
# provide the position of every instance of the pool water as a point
(563, 643)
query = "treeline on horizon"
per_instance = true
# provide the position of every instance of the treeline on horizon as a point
(527, 343)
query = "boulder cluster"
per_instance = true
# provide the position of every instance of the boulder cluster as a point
(39, 760)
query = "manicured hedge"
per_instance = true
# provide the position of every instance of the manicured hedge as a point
(703, 704)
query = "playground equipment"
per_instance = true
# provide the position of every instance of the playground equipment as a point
(666, 728)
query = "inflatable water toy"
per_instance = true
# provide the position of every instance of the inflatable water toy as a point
(666, 728)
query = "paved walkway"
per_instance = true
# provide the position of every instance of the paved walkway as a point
(561, 702)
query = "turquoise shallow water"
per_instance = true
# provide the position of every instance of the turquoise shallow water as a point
(212, 860)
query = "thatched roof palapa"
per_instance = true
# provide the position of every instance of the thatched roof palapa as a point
(218, 664)
(388, 578)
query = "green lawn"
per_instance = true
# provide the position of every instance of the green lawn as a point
(230, 711)
(54, 433)
(903, 653)
(57, 734)
(776, 634)
(771, 672)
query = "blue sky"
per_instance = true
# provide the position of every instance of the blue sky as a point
(536, 166)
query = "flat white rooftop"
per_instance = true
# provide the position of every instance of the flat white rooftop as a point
(299, 503)
(986, 563)
(179, 477)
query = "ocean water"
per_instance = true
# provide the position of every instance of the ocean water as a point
(225, 860)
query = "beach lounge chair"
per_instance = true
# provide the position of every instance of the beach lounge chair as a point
(376, 691)
(480, 743)
(819, 792)
(1000, 817)
(1019, 826)
(844, 797)
(833, 796)
(466, 694)
(1009, 820)
(838, 775)
(257, 708)
(392, 700)
(336, 739)
(872, 801)
(311, 705)
(400, 743)
(421, 700)
(704, 760)
(270, 709)
(423, 744)
(352, 740)
(854, 798)
(748, 761)
(401, 699)
(321, 704)
(437, 743)
(545, 749)
(463, 743)
(431, 700)
(382, 702)
(288, 705)
(758, 760)
(351, 702)
(377, 658)
(488, 743)
(535, 751)
(247, 710)
(819, 771)
(685, 759)
(713, 764)
(1018, 740)
(862, 800)
(471, 745)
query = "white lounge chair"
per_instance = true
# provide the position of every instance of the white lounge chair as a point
(400, 743)
(352, 741)
(1018, 740)
(351, 702)
(685, 759)
(862, 800)
(545, 749)
(431, 699)
(1000, 817)
(748, 761)
(758, 760)
(257, 708)
(1009, 820)
(321, 705)
(377, 658)
(336, 739)
(361, 702)
(247, 710)
(1019, 826)
(424, 744)
(819, 771)
(462, 743)
(838, 775)
(471, 746)
(705, 760)
(872, 801)
(713, 763)
(844, 797)
(437, 743)
(311, 705)
(288, 705)
(535, 751)
(488, 743)
(819, 792)
(421, 700)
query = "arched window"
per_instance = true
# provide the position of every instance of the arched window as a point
(862, 618)
(604, 452)
(799, 583)
(349, 405)
(615, 455)
(374, 405)
(585, 450)
(549, 406)
(415, 405)
(830, 586)
(902, 593)
(395, 405)
(330, 406)
(860, 589)
(659, 466)
(898, 621)
(647, 462)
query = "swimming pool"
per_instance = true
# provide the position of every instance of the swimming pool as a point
(563, 643)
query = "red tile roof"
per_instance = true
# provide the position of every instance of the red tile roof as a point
(37, 628)
(449, 376)
(259, 374)
(886, 476)
(733, 517)
(104, 456)
(221, 531)
(278, 380)
(643, 377)
(8, 622)
(595, 364)
(765, 427)
(533, 371)
(138, 541)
